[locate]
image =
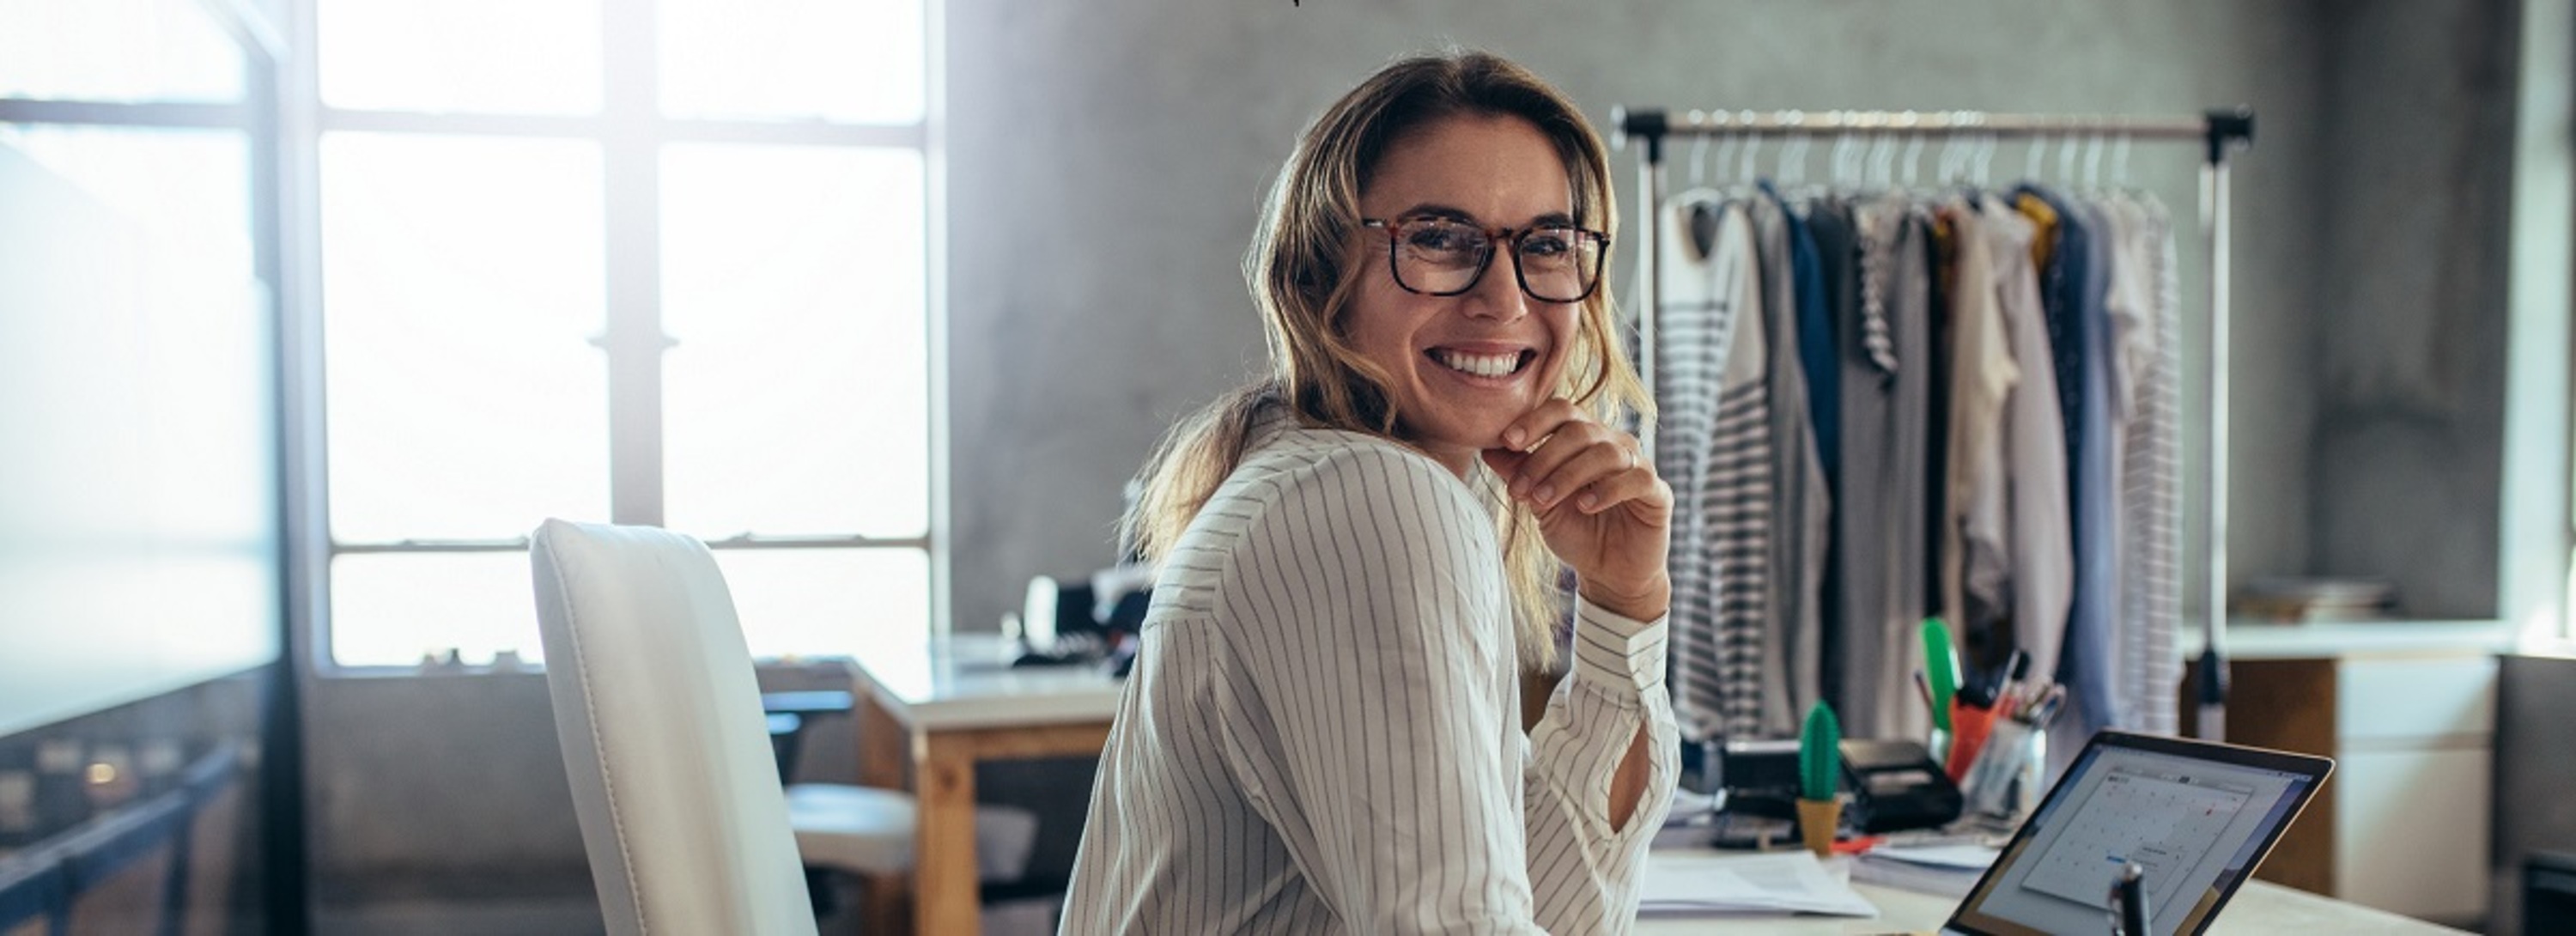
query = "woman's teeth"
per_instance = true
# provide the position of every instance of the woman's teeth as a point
(1481, 365)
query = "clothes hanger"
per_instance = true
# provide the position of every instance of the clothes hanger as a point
(1882, 160)
(2066, 159)
(2120, 162)
(1702, 223)
(1846, 148)
(1699, 159)
(2093, 163)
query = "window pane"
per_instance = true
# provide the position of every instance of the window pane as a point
(159, 361)
(843, 60)
(116, 51)
(796, 399)
(461, 283)
(188, 189)
(390, 609)
(138, 518)
(816, 602)
(499, 56)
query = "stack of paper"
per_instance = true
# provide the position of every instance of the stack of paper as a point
(1705, 882)
(1948, 870)
(1692, 821)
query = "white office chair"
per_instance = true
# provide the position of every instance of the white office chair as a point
(660, 722)
(673, 779)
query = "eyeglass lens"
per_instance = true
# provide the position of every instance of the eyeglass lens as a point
(1442, 257)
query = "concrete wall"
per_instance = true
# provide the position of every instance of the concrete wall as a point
(1107, 161)
(2410, 324)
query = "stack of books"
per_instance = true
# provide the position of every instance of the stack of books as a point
(2293, 600)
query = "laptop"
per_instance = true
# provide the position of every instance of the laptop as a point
(2198, 816)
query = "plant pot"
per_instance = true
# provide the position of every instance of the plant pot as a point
(1817, 820)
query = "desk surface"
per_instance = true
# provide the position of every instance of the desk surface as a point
(2261, 907)
(967, 681)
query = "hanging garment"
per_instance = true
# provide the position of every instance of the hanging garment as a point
(1799, 503)
(2031, 497)
(1976, 544)
(1837, 265)
(2145, 304)
(1736, 501)
(1814, 302)
(1878, 523)
(2073, 301)
(1939, 254)
(1705, 262)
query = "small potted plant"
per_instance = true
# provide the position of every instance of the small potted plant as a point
(1820, 769)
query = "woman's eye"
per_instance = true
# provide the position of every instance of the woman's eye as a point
(1546, 244)
(1441, 237)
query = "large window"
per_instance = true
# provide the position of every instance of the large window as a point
(642, 261)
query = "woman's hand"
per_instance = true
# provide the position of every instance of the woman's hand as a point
(1600, 506)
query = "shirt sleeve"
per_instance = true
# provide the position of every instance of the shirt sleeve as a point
(1371, 623)
(1375, 633)
(1585, 873)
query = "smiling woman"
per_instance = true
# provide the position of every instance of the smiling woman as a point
(1358, 555)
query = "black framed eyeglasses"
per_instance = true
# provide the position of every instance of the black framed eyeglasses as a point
(1437, 256)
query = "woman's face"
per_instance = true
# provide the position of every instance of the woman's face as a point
(1461, 368)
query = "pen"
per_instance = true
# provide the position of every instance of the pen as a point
(1972, 693)
(2130, 895)
(2046, 708)
(2016, 667)
(1924, 687)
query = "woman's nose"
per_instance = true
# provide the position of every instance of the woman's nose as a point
(1498, 293)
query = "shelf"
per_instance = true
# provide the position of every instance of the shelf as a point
(2252, 639)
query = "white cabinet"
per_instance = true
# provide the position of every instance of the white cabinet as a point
(2410, 836)
(2404, 825)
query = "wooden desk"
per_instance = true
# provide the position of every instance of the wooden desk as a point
(928, 713)
(2262, 907)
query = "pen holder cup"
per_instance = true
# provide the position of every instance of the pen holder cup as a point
(1969, 726)
(2006, 777)
(1818, 820)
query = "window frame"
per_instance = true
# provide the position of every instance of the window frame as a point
(631, 133)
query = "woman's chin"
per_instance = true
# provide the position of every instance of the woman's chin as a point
(1469, 440)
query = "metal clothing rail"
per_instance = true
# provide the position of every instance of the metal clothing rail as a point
(2220, 131)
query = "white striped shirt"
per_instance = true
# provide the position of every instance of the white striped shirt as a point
(1321, 732)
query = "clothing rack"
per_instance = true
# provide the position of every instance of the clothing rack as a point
(2221, 132)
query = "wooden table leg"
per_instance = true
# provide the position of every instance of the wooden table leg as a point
(944, 876)
(885, 745)
(885, 750)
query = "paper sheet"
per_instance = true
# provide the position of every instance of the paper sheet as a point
(1939, 856)
(1697, 882)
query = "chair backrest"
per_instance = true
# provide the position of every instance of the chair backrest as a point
(660, 720)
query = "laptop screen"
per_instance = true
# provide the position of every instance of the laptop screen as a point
(2197, 817)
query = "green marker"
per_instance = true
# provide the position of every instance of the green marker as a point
(1941, 663)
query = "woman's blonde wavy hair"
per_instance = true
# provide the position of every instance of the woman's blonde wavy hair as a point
(1299, 270)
